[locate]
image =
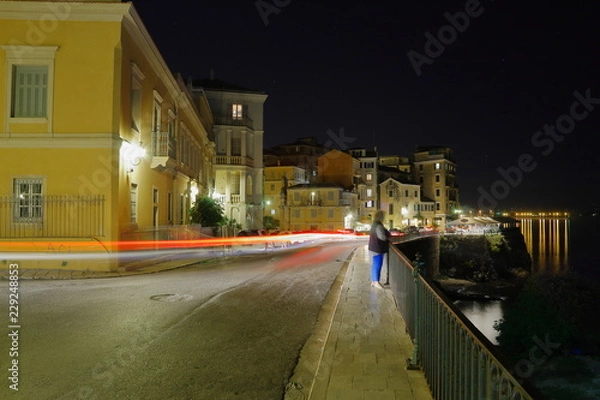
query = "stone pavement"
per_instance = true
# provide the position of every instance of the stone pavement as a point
(360, 348)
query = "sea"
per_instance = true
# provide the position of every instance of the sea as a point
(555, 245)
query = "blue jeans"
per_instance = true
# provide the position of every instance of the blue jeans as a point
(376, 267)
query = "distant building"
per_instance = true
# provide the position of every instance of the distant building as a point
(403, 204)
(323, 207)
(303, 153)
(435, 170)
(237, 132)
(277, 181)
(368, 191)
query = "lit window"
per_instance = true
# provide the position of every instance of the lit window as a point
(369, 192)
(437, 165)
(236, 111)
(28, 200)
(369, 177)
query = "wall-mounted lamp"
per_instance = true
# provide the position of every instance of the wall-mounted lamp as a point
(132, 154)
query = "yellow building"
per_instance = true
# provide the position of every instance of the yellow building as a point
(404, 206)
(277, 180)
(99, 142)
(319, 207)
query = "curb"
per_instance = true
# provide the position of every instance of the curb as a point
(302, 381)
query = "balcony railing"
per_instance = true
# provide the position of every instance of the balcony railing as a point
(234, 160)
(163, 145)
(228, 120)
(56, 216)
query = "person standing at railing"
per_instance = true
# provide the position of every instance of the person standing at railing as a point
(379, 245)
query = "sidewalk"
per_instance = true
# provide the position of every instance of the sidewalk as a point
(360, 348)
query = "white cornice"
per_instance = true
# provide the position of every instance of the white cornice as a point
(63, 11)
(58, 140)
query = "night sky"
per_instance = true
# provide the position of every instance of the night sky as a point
(365, 74)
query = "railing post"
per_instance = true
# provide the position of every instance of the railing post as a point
(413, 362)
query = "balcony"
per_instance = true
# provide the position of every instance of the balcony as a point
(230, 121)
(234, 160)
(164, 148)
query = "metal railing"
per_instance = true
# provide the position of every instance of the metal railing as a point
(164, 145)
(229, 120)
(458, 361)
(52, 216)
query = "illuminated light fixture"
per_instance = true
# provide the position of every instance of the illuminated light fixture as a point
(194, 191)
(132, 154)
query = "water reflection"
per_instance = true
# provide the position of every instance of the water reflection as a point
(548, 242)
(483, 315)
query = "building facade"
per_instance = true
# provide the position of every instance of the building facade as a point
(277, 181)
(434, 169)
(403, 205)
(319, 207)
(238, 136)
(99, 141)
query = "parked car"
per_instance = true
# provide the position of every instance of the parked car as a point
(251, 232)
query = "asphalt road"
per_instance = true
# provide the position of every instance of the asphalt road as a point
(228, 330)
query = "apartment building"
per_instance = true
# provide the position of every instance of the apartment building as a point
(277, 180)
(434, 169)
(237, 132)
(319, 207)
(99, 141)
(403, 204)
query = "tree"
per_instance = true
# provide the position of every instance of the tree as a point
(207, 212)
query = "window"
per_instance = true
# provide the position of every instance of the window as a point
(236, 111)
(369, 192)
(29, 77)
(329, 196)
(437, 206)
(438, 165)
(313, 214)
(135, 94)
(272, 187)
(28, 196)
(437, 192)
(157, 113)
(30, 91)
(272, 212)
(391, 209)
(369, 177)
(406, 193)
(369, 204)
(170, 207)
(437, 178)
(296, 213)
(133, 202)
(330, 214)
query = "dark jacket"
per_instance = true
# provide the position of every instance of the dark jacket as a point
(377, 245)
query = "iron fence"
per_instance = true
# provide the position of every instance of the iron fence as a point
(56, 216)
(458, 361)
